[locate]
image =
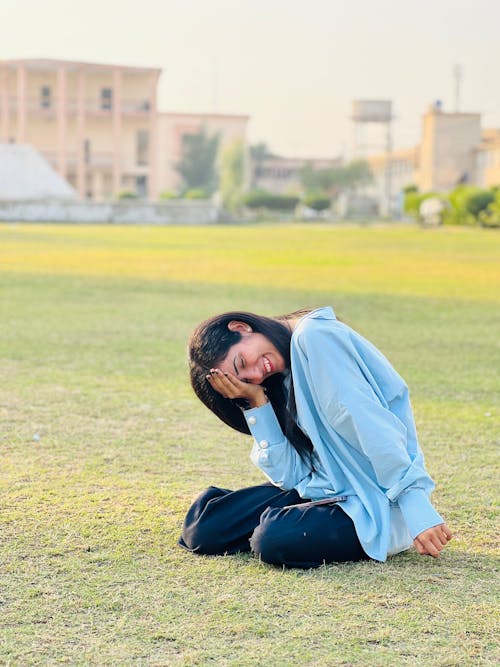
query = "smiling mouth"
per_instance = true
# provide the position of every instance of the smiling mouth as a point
(268, 367)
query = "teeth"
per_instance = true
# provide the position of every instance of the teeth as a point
(267, 364)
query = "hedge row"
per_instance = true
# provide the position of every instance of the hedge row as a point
(465, 205)
(261, 199)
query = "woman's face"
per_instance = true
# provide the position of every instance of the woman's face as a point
(254, 358)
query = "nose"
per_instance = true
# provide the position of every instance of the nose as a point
(253, 375)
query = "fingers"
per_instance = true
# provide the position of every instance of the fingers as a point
(433, 546)
(426, 548)
(446, 531)
(226, 384)
(432, 540)
(220, 382)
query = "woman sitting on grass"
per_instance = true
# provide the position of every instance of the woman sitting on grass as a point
(333, 432)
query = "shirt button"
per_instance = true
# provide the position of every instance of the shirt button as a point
(263, 444)
(252, 421)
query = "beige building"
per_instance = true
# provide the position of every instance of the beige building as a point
(99, 125)
(283, 174)
(488, 158)
(96, 124)
(391, 174)
(447, 152)
(454, 150)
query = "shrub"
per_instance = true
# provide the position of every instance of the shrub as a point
(127, 194)
(317, 201)
(458, 213)
(262, 199)
(167, 194)
(490, 216)
(412, 201)
(479, 201)
(196, 193)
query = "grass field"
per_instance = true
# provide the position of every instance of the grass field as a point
(103, 446)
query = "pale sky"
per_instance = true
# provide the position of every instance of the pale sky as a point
(294, 66)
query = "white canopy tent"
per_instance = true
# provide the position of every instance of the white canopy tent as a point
(26, 175)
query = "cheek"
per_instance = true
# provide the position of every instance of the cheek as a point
(225, 367)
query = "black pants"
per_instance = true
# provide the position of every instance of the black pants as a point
(279, 526)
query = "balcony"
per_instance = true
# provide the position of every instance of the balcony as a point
(98, 159)
(47, 108)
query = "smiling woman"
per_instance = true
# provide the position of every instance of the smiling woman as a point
(333, 432)
(254, 358)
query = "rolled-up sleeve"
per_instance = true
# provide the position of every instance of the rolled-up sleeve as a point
(378, 434)
(272, 452)
(352, 408)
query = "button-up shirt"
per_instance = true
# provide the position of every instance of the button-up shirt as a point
(355, 409)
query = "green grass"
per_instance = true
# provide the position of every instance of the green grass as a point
(103, 445)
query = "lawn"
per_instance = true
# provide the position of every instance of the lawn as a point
(104, 445)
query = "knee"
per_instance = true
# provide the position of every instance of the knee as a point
(266, 538)
(199, 532)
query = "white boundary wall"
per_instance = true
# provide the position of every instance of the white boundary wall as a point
(126, 212)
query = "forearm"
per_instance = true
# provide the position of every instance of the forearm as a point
(272, 452)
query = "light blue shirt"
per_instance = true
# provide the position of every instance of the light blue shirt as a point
(356, 411)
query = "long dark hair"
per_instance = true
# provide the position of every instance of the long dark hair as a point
(209, 344)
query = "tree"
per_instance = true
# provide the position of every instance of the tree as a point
(357, 174)
(336, 179)
(197, 165)
(260, 151)
(316, 201)
(232, 175)
(319, 180)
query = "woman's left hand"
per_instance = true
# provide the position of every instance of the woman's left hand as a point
(431, 541)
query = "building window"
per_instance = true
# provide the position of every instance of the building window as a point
(45, 97)
(106, 98)
(141, 186)
(142, 147)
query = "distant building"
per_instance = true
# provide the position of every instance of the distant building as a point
(488, 158)
(402, 166)
(447, 151)
(283, 174)
(454, 150)
(96, 124)
(99, 125)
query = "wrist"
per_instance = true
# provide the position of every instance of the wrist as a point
(258, 401)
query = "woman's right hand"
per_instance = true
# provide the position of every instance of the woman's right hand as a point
(229, 386)
(431, 541)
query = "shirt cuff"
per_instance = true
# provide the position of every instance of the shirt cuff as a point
(418, 511)
(264, 425)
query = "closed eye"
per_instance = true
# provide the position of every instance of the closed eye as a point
(238, 361)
